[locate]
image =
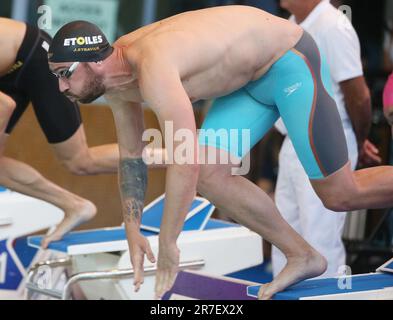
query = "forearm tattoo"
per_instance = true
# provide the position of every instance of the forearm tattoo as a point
(133, 182)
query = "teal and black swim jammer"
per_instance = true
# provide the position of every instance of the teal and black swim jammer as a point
(297, 88)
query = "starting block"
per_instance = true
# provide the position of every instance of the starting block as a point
(20, 216)
(197, 285)
(373, 286)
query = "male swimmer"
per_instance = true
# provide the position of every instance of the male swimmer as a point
(259, 67)
(294, 195)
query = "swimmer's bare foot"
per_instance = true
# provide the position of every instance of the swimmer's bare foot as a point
(297, 269)
(81, 212)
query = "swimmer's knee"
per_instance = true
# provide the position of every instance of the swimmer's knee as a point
(340, 191)
(340, 200)
(7, 101)
(209, 176)
(337, 204)
(11, 106)
(79, 167)
(205, 179)
(79, 162)
(7, 106)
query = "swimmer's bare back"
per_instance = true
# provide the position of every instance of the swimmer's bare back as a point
(11, 36)
(215, 50)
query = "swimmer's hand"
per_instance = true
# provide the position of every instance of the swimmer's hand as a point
(167, 268)
(369, 155)
(139, 246)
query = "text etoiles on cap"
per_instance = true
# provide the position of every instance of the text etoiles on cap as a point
(79, 41)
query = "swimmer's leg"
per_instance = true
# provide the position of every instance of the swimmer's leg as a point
(305, 103)
(22, 178)
(345, 190)
(243, 201)
(247, 204)
(314, 125)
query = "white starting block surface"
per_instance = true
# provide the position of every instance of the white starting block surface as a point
(20, 216)
(222, 248)
(23, 215)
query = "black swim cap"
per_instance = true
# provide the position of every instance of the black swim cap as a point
(80, 41)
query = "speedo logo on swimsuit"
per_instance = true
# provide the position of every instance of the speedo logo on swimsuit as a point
(81, 41)
(292, 88)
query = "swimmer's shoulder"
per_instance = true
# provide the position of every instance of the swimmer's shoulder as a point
(138, 34)
(148, 49)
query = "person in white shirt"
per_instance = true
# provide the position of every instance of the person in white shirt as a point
(294, 196)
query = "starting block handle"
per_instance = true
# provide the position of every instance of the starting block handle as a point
(32, 287)
(117, 274)
(51, 264)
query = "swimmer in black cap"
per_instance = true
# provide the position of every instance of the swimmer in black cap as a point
(25, 77)
(79, 41)
(259, 67)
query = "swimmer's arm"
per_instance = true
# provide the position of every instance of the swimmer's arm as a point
(132, 169)
(163, 91)
(132, 181)
(358, 104)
